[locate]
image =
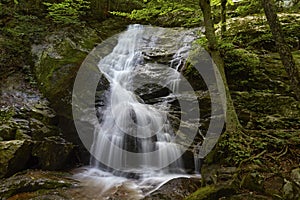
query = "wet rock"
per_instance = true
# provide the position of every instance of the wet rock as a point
(176, 189)
(53, 154)
(14, 156)
(32, 181)
(158, 55)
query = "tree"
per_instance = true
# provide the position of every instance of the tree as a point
(282, 47)
(232, 122)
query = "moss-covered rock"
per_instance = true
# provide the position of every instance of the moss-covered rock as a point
(14, 156)
(58, 60)
(32, 181)
(212, 192)
(53, 154)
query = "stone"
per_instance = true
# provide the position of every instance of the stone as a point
(176, 189)
(14, 156)
(31, 181)
(53, 154)
(58, 60)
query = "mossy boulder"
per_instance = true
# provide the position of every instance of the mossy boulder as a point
(53, 154)
(32, 181)
(58, 60)
(14, 156)
(212, 192)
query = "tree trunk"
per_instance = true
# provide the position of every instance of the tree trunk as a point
(282, 48)
(223, 17)
(232, 122)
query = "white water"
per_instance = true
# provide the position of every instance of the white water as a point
(129, 124)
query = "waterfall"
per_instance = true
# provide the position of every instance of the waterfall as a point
(135, 145)
(128, 123)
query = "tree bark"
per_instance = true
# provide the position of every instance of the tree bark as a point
(232, 122)
(223, 17)
(282, 47)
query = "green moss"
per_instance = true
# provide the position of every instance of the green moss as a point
(14, 155)
(58, 63)
(6, 114)
(33, 181)
(211, 192)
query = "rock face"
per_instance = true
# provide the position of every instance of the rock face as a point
(29, 137)
(58, 60)
(40, 128)
(59, 158)
(14, 156)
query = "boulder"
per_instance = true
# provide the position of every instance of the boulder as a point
(32, 181)
(53, 154)
(176, 189)
(58, 60)
(14, 156)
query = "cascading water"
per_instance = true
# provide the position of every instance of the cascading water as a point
(131, 125)
(128, 123)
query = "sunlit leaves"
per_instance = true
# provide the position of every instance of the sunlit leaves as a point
(68, 11)
(159, 8)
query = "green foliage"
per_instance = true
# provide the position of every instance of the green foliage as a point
(185, 13)
(17, 36)
(249, 7)
(218, 2)
(68, 11)
(234, 149)
(241, 67)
